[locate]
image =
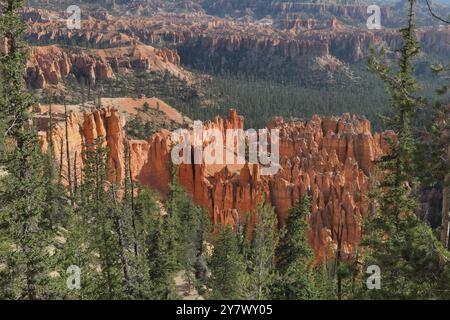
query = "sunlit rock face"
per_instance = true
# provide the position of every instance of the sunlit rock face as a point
(50, 65)
(328, 158)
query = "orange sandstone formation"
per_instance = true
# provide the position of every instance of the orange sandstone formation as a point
(328, 158)
(298, 34)
(48, 65)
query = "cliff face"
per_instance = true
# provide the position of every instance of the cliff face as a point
(328, 158)
(48, 65)
(83, 130)
(288, 43)
(353, 11)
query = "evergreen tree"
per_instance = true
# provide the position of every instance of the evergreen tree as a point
(295, 258)
(228, 275)
(98, 208)
(56, 195)
(402, 246)
(78, 252)
(24, 229)
(434, 153)
(242, 231)
(162, 259)
(191, 225)
(146, 216)
(262, 253)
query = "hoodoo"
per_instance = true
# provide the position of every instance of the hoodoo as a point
(328, 158)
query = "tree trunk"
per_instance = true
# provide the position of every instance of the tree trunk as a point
(61, 161)
(50, 132)
(133, 220)
(75, 178)
(338, 261)
(445, 206)
(69, 177)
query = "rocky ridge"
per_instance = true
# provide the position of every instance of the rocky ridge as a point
(48, 65)
(294, 41)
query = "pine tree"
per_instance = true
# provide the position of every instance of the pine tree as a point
(24, 230)
(228, 275)
(295, 258)
(98, 208)
(120, 215)
(399, 243)
(67, 146)
(146, 213)
(262, 253)
(434, 153)
(56, 195)
(242, 231)
(77, 251)
(191, 225)
(162, 259)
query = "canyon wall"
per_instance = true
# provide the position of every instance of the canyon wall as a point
(327, 158)
(286, 45)
(352, 11)
(48, 65)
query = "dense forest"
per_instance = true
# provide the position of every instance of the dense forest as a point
(258, 100)
(61, 238)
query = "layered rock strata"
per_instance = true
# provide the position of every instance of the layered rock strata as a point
(48, 65)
